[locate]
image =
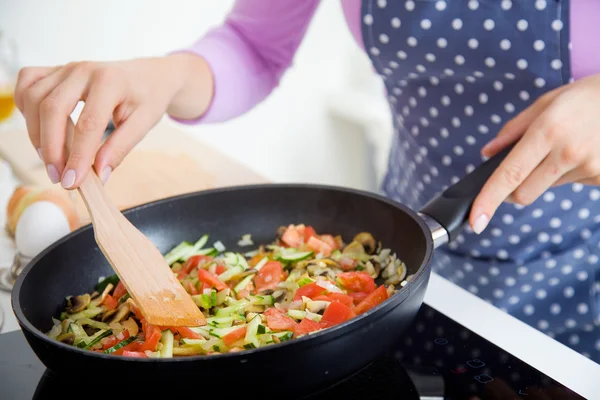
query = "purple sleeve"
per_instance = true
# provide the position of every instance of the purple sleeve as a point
(249, 53)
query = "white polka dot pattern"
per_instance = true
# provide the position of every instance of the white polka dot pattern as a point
(531, 261)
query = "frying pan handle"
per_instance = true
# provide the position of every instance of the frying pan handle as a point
(450, 209)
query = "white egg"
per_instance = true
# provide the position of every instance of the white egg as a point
(41, 224)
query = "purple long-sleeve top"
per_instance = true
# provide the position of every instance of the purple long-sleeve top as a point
(256, 44)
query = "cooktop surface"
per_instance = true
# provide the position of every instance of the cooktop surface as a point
(436, 359)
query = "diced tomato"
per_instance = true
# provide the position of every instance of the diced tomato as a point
(357, 281)
(119, 291)
(376, 297)
(334, 314)
(220, 269)
(311, 291)
(319, 246)
(110, 302)
(292, 237)
(187, 333)
(339, 297)
(308, 233)
(112, 340)
(306, 326)
(278, 321)
(190, 264)
(136, 354)
(211, 280)
(330, 240)
(136, 311)
(269, 276)
(234, 336)
(357, 297)
(153, 334)
(347, 263)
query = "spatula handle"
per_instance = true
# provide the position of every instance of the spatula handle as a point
(99, 205)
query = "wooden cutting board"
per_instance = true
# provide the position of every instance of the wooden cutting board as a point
(167, 162)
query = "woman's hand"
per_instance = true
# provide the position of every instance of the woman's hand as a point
(135, 93)
(558, 142)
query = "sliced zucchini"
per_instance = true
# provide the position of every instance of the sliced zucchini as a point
(221, 296)
(243, 283)
(81, 336)
(96, 337)
(188, 350)
(87, 313)
(178, 252)
(233, 309)
(266, 300)
(192, 342)
(261, 263)
(93, 323)
(294, 256)
(120, 345)
(166, 340)
(283, 335)
(203, 301)
(304, 281)
(296, 314)
(252, 331)
(231, 273)
(221, 332)
(224, 322)
(195, 248)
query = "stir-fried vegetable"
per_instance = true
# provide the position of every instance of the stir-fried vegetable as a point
(301, 283)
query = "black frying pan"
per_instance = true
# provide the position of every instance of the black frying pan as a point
(74, 264)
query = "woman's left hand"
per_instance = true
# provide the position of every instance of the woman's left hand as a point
(558, 142)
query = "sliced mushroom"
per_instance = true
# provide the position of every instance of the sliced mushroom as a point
(77, 303)
(99, 299)
(247, 272)
(279, 295)
(367, 241)
(108, 315)
(354, 250)
(67, 338)
(122, 313)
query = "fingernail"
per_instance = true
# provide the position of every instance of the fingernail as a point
(68, 179)
(40, 154)
(480, 223)
(105, 174)
(52, 173)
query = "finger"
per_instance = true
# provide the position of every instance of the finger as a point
(587, 172)
(555, 165)
(526, 155)
(27, 77)
(54, 111)
(516, 127)
(123, 140)
(105, 94)
(32, 98)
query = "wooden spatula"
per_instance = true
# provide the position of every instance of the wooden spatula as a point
(136, 260)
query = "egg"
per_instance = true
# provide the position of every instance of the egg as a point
(41, 224)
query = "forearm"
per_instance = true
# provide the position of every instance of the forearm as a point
(240, 62)
(194, 86)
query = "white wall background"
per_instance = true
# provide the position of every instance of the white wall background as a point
(311, 116)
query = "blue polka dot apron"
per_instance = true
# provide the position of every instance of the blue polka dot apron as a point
(455, 71)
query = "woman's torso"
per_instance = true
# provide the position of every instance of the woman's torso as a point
(456, 71)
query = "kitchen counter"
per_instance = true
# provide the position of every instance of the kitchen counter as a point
(531, 346)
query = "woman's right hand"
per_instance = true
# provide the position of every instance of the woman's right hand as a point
(135, 93)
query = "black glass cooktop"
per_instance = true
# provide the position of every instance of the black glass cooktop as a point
(437, 359)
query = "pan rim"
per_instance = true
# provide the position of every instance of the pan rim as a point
(325, 334)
